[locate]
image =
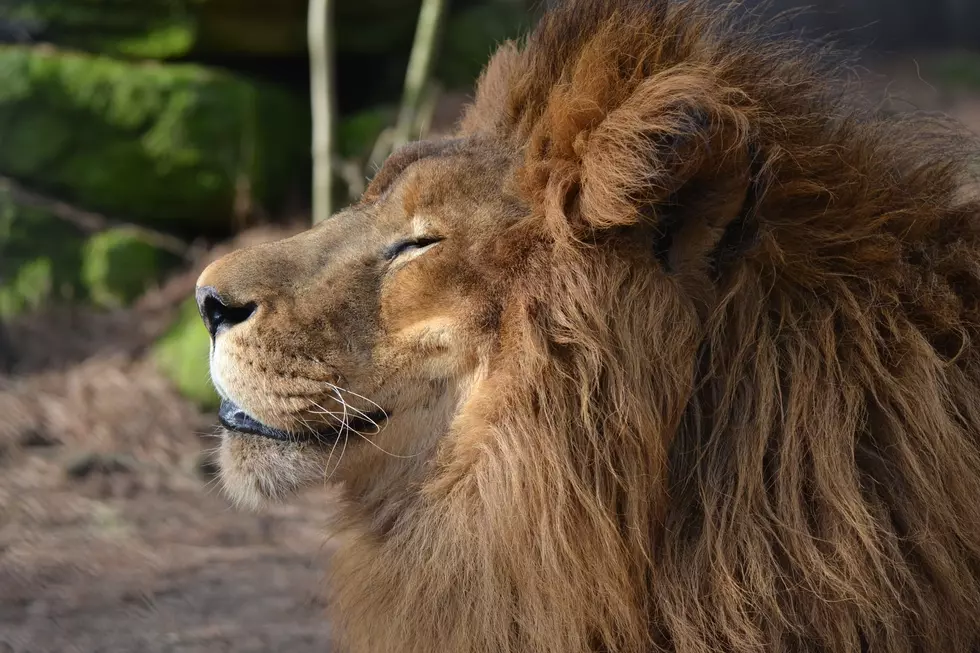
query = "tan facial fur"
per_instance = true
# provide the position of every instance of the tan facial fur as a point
(340, 325)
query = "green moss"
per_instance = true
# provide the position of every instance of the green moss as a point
(118, 266)
(161, 144)
(162, 29)
(40, 259)
(182, 355)
(31, 285)
(162, 41)
(45, 260)
(137, 28)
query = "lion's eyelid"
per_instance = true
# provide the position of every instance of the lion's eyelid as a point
(400, 247)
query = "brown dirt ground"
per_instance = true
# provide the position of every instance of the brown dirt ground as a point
(113, 536)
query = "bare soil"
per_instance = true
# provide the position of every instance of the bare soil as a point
(113, 534)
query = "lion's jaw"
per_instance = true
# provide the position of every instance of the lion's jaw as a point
(344, 353)
(255, 470)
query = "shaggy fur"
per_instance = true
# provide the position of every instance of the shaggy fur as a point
(731, 401)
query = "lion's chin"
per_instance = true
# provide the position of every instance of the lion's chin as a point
(256, 470)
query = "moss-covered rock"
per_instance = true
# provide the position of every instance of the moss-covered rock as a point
(119, 265)
(133, 28)
(179, 28)
(45, 260)
(40, 259)
(163, 144)
(182, 355)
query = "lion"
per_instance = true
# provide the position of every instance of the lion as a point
(671, 346)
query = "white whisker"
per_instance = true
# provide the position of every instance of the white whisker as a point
(376, 405)
(347, 427)
(343, 450)
(360, 413)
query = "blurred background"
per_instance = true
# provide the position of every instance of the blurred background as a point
(140, 140)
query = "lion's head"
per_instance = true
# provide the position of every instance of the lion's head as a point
(671, 347)
(352, 346)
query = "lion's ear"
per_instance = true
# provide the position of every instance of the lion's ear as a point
(676, 143)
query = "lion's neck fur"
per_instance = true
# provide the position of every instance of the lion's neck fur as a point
(546, 523)
(532, 529)
(807, 482)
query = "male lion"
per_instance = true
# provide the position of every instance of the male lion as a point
(673, 347)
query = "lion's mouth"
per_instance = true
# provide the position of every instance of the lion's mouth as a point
(233, 418)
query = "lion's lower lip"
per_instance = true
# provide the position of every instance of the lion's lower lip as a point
(233, 418)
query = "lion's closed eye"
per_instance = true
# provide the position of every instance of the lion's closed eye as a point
(410, 247)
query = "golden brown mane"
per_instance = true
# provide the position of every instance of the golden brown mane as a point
(736, 401)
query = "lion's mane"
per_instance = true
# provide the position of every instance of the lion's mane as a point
(736, 400)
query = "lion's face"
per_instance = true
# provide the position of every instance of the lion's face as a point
(350, 347)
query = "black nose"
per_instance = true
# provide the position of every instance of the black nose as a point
(217, 313)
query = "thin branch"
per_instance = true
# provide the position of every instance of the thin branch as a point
(353, 174)
(322, 104)
(419, 73)
(91, 222)
(382, 148)
(427, 108)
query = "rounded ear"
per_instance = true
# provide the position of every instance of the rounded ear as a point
(672, 151)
